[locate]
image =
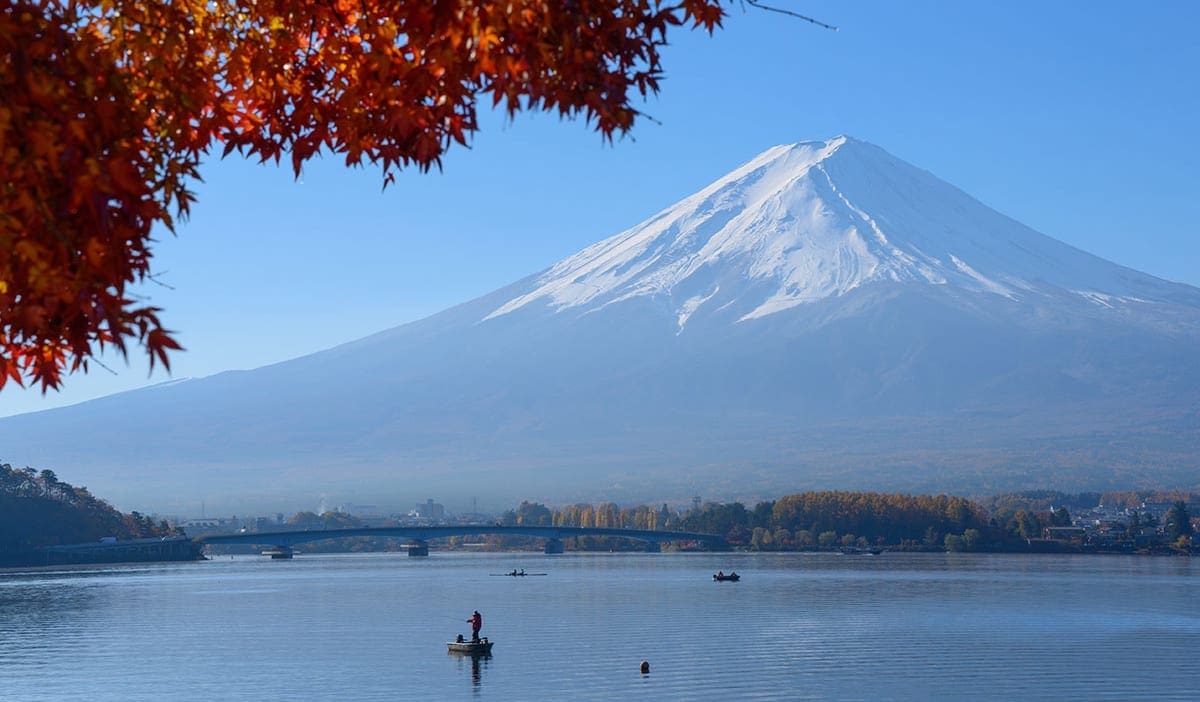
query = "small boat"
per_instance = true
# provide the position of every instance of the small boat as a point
(860, 551)
(482, 647)
(514, 574)
(722, 577)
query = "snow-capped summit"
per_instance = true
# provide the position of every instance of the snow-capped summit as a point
(815, 220)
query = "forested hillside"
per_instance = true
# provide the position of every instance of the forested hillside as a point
(37, 509)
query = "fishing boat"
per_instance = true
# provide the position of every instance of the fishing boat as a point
(482, 647)
(722, 577)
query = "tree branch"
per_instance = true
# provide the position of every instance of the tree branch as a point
(806, 18)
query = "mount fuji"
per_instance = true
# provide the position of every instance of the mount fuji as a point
(824, 316)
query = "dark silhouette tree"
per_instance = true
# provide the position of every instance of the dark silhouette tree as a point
(1178, 521)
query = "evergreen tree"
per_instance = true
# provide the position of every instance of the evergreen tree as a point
(1179, 522)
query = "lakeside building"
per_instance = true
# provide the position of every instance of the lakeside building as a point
(1065, 533)
(428, 510)
(1160, 509)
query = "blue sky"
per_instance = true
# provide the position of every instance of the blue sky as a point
(1078, 119)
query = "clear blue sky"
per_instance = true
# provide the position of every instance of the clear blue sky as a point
(1076, 118)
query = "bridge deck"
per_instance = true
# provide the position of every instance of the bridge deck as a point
(426, 533)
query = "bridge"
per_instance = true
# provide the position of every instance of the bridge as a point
(281, 543)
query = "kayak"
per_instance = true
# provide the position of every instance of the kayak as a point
(514, 575)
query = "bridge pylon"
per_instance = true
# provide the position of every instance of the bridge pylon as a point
(418, 548)
(553, 547)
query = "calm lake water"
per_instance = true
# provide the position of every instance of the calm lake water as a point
(798, 626)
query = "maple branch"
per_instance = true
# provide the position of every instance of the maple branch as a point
(806, 18)
(110, 105)
(100, 363)
(153, 278)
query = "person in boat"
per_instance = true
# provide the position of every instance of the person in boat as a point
(514, 572)
(522, 572)
(720, 573)
(476, 622)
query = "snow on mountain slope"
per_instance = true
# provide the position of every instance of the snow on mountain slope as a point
(816, 220)
(824, 316)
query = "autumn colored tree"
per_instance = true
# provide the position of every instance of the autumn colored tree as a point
(39, 509)
(107, 108)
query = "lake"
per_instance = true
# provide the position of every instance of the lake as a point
(797, 626)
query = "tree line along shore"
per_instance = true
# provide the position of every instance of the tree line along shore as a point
(38, 510)
(1033, 521)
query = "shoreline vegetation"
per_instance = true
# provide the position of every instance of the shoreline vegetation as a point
(38, 510)
(856, 522)
(1141, 522)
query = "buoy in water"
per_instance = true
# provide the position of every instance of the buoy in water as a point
(645, 667)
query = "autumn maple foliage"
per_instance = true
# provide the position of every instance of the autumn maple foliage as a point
(108, 106)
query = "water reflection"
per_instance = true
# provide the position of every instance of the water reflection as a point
(479, 662)
(36, 619)
(39, 602)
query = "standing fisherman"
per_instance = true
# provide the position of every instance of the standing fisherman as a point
(476, 622)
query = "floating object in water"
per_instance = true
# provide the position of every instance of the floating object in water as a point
(860, 551)
(482, 647)
(721, 577)
(514, 575)
(645, 667)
